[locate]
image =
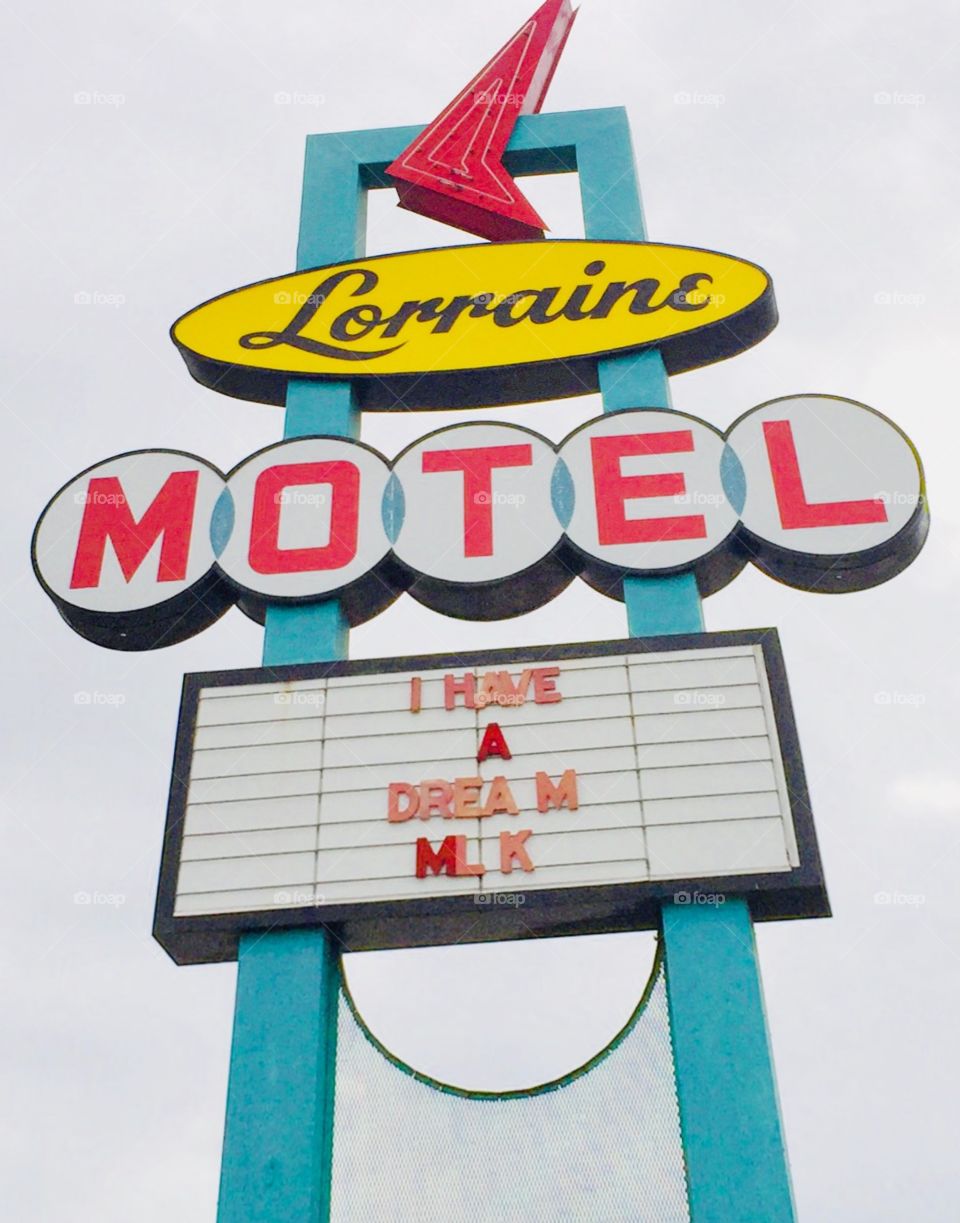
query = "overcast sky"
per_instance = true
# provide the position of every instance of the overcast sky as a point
(151, 158)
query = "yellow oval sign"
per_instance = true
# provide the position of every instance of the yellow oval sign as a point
(471, 326)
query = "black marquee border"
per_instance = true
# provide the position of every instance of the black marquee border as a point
(593, 909)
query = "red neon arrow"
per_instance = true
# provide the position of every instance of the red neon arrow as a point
(454, 172)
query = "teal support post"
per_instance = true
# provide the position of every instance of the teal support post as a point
(278, 1136)
(729, 1112)
(280, 1098)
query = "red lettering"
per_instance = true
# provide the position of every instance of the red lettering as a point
(500, 800)
(493, 743)
(545, 686)
(512, 850)
(436, 797)
(106, 515)
(465, 687)
(795, 510)
(612, 489)
(398, 790)
(266, 556)
(477, 464)
(563, 794)
(450, 858)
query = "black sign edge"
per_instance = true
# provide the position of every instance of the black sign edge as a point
(591, 909)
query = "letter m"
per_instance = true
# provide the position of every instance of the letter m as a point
(106, 515)
(563, 794)
(444, 860)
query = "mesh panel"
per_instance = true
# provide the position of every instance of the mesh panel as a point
(602, 1144)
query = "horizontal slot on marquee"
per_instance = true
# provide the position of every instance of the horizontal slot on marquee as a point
(347, 753)
(245, 900)
(363, 890)
(251, 815)
(226, 691)
(243, 843)
(262, 707)
(270, 759)
(230, 874)
(696, 700)
(703, 751)
(722, 848)
(704, 809)
(743, 777)
(254, 786)
(257, 734)
(700, 724)
(653, 676)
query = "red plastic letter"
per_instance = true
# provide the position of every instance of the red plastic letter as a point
(795, 510)
(266, 556)
(106, 515)
(612, 489)
(512, 848)
(477, 464)
(493, 743)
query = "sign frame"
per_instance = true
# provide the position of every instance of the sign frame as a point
(547, 912)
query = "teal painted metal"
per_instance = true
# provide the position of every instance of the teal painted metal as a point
(280, 1097)
(278, 1138)
(733, 1140)
(729, 1113)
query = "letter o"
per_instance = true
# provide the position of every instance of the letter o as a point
(305, 520)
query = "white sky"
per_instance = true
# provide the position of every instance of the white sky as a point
(819, 141)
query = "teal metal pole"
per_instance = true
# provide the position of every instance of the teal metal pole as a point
(278, 1135)
(733, 1144)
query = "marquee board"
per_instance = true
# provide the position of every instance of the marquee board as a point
(473, 797)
